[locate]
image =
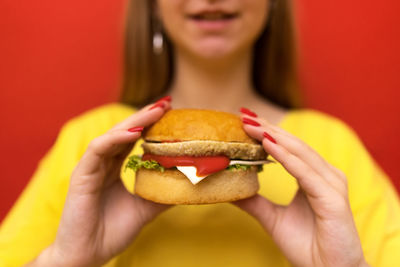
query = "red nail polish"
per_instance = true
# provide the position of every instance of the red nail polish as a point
(248, 112)
(270, 138)
(157, 105)
(136, 129)
(250, 122)
(165, 98)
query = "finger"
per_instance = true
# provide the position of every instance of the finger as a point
(262, 209)
(106, 145)
(253, 125)
(146, 116)
(293, 144)
(296, 147)
(116, 141)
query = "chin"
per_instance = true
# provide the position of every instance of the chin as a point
(214, 49)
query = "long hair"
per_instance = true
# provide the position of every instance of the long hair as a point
(147, 76)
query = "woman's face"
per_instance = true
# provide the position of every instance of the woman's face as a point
(213, 28)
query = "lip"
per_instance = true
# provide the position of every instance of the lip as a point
(213, 25)
(200, 11)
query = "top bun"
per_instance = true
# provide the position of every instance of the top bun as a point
(198, 124)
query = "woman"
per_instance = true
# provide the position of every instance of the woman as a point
(216, 55)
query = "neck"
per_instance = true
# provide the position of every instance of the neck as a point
(223, 84)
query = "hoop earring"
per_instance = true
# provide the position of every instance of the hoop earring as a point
(158, 43)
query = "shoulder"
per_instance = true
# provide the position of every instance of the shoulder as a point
(97, 121)
(317, 125)
(104, 115)
(76, 133)
(330, 136)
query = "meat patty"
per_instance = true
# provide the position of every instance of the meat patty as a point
(233, 150)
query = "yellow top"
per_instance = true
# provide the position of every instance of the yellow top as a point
(208, 235)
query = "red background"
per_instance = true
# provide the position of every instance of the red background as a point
(58, 59)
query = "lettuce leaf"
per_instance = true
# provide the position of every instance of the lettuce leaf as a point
(244, 167)
(135, 163)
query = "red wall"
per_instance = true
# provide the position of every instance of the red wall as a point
(350, 67)
(58, 59)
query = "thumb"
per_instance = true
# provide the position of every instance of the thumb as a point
(262, 209)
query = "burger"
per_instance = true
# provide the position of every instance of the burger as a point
(194, 156)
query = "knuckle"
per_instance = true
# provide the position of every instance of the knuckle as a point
(342, 176)
(263, 121)
(292, 162)
(343, 184)
(286, 157)
(94, 144)
(342, 204)
(309, 171)
(298, 145)
(310, 150)
(346, 185)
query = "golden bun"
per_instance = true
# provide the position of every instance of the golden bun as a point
(172, 187)
(198, 124)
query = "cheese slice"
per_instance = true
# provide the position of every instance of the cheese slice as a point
(191, 172)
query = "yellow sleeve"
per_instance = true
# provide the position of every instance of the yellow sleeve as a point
(32, 223)
(374, 201)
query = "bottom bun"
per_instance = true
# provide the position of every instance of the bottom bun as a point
(173, 187)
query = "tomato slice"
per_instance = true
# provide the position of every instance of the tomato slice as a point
(204, 165)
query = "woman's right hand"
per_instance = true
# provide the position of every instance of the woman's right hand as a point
(100, 217)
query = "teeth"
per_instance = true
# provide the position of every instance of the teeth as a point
(213, 16)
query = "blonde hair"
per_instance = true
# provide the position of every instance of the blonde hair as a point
(147, 76)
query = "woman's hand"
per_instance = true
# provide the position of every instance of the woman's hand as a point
(317, 228)
(100, 218)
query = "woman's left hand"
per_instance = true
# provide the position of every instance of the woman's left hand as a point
(317, 227)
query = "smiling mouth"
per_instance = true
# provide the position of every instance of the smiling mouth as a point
(215, 16)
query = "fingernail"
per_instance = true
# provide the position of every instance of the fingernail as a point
(250, 122)
(136, 129)
(248, 112)
(165, 98)
(270, 138)
(157, 105)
